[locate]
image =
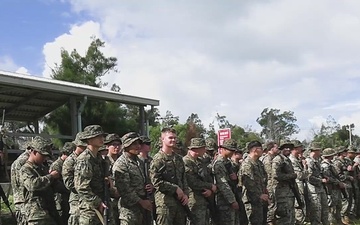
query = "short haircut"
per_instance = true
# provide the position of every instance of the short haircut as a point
(253, 144)
(168, 130)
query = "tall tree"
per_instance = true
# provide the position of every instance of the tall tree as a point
(169, 120)
(276, 125)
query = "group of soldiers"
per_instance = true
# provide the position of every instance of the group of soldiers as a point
(103, 179)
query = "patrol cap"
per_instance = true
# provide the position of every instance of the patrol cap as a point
(111, 137)
(196, 143)
(297, 143)
(91, 132)
(68, 148)
(210, 144)
(78, 141)
(253, 144)
(41, 145)
(286, 144)
(229, 144)
(315, 146)
(129, 138)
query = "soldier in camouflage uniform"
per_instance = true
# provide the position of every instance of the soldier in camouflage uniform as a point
(334, 186)
(68, 170)
(253, 179)
(199, 181)
(342, 167)
(62, 194)
(353, 172)
(225, 197)
(211, 151)
(301, 179)
(318, 208)
(273, 151)
(283, 176)
(18, 196)
(35, 184)
(130, 182)
(89, 177)
(167, 173)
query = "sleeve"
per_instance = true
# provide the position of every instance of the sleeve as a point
(300, 173)
(123, 181)
(82, 178)
(68, 174)
(222, 184)
(278, 173)
(32, 181)
(312, 178)
(326, 171)
(156, 169)
(193, 179)
(247, 178)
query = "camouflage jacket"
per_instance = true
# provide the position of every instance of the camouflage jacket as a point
(267, 161)
(68, 170)
(129, 180)
(167, 173)
(224, 195)
(341, 165)
(89, 179)
(314, 168)
(36, 187)
(198, 178)
(302, 174)
(18, 195)
(283, 174)
(328, 170)
(60, 186)
(253, 179)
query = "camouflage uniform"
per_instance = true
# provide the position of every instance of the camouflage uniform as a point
(333, 188)
(267, 162)
(225, 195)
(318, 208)
(198, 180)
(167, 173)
(283, 174)
(253, 179)
(18, 196)
(354, 183)
(89, 180)
(36, 185)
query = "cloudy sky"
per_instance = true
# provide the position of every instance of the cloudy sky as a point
(229, 57)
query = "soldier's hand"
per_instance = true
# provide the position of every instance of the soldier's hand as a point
(324, 180)
(264, 197)
(349, 168)
(149, 188)
(213, 188)
(101, 207)
(179, 193)
(233, 176)
(207, 193)
(55, 174)
(235, 205)
(184, 200)
(146, 204)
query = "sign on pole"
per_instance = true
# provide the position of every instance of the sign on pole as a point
(223, 134)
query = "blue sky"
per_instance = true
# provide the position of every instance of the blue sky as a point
(28, 25)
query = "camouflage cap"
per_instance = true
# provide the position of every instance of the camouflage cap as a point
(111, 137)
(229, 144)
(196, 143)
(211, 144)
(253, 144)
(351, 149)
(129, 138)
(78, 141)
(315, 146)
(91, 132)
(145, 140)
(327, 152)
(68, 148)
(340, 149)
(297, 143)
(286, 144)
(41, 145)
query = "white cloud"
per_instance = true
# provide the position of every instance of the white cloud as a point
(8, 64)
(234, 59)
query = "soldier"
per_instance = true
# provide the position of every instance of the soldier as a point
(199, 181)
(211, 151)
(225, 197)
(89, 177)
(61, 192)
(68, 170)
(273, 151)
(318, 208)
(167, 173)
(18, 196)
(130, 182)
(342, 168)
(35, 184)
(253, 179)
(300, 169)
(334, 186)
(353, 172)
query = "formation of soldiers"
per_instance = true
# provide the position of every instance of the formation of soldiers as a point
(103, 179)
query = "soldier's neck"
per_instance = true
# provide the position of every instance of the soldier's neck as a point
(167, 150)
(93, 149)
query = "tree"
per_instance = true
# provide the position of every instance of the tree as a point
(169, 120)
(276, 125)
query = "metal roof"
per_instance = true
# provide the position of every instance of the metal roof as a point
(28, 98)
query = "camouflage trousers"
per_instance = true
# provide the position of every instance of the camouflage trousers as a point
(74, 213)
(227, 215)
(200, 214)
(347, 203)
(88, 217)
(170, 215)
(319, 209)
(300, 214)
(335, 207)
(131, 215)
(20, 217)
(355, 207)
(115, 210)
(255, 213)
(285, 212)
(271, 207)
